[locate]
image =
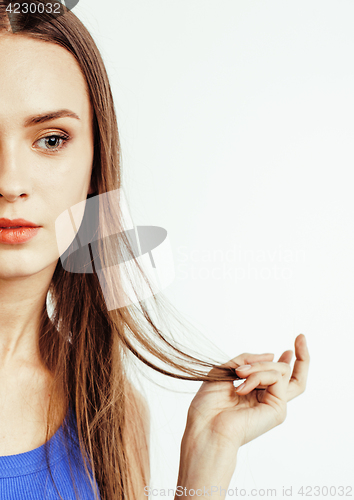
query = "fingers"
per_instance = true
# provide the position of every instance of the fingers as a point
(283, 368)
(286, 357)
(244, 359)
(296, 380)
(258, 374)
(297, 383)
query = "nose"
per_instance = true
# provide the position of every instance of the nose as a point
(13, 197)
(14, 178)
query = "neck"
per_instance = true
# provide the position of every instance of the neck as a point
(22, 300)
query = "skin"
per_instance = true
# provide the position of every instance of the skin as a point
(38, 184)
(221, 418)
(39, 180)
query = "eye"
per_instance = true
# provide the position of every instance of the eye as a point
(54, 142)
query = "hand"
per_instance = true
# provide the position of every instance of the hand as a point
(230, 417)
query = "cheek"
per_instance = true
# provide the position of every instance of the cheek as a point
(67, 184)
(81, 167)
(67, 203)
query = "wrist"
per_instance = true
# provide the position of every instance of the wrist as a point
(206, 463)
(199, 438)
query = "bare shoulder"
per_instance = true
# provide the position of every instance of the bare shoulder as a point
(137, 439)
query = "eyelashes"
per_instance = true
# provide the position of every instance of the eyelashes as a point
(49, 139)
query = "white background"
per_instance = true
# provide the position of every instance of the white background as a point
(236, 120)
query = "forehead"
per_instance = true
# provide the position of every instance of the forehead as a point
(38, 76)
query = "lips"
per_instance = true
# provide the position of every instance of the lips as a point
(11, 235)
(16, 223)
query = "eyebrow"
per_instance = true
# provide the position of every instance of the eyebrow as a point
(50, 115)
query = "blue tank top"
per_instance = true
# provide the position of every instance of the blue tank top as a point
(26, 475)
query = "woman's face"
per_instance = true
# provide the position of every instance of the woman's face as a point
(45, 165)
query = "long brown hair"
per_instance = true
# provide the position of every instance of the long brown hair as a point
(89, 372)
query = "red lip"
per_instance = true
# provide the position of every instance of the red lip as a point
(16, 223)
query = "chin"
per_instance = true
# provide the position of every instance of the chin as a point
(20, 265)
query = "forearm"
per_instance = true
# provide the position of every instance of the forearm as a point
(204, 466)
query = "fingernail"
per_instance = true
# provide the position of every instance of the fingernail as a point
(244, 367)
(240, 386)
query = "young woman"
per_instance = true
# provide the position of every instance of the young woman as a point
(64, 391)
